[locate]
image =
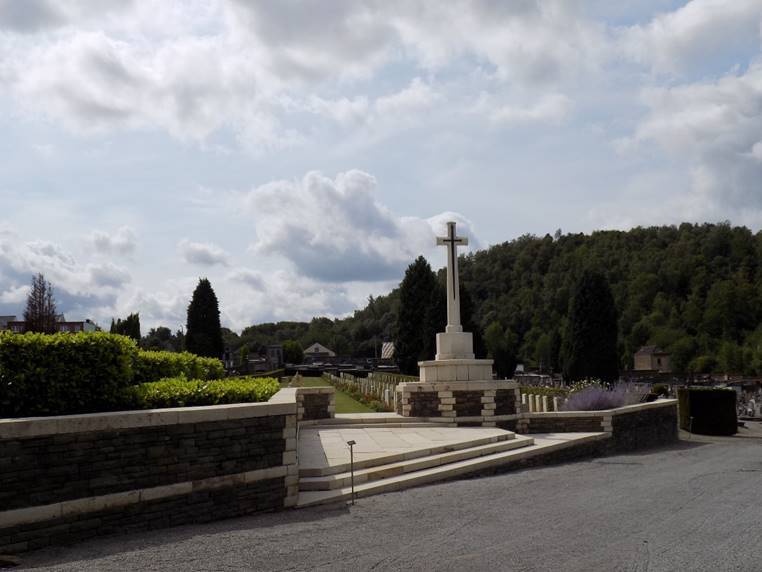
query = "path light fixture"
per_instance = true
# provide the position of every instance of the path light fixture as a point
(352, 468)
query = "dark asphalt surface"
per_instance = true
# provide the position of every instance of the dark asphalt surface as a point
(696, 506)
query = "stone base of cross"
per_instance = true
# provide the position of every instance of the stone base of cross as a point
(455, 345)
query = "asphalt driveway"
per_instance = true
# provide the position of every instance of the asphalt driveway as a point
(696, 506)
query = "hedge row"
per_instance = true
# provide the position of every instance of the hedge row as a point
(60, 374)
(182, 392)
(43, 374)
(152, 366)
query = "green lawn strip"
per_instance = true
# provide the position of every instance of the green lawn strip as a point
(344, 403)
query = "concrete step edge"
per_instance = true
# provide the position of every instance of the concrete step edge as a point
(329, 482)
(397, 457)
(451, 470)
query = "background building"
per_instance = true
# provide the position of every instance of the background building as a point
(652, 358)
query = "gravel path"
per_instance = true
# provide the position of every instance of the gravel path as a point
(697, 506)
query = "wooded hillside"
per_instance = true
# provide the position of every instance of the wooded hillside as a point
(694, 290)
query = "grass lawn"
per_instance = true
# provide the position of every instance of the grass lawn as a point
(344, 403)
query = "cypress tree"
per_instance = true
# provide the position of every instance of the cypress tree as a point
(501, 345)
(434, 320)
(591, 337)
(417, 291)
(203, 333)
(468, 320)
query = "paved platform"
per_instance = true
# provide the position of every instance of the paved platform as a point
(325, 448)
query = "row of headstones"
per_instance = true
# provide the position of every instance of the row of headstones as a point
(381, 390)
(540, 403)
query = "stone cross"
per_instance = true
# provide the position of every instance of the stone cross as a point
(451, 241)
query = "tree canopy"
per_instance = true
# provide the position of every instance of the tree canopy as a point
(694, 290)
(129, 327)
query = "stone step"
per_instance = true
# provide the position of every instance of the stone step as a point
(541, 446)
(362, 419)
(381, 425)
(406, 456)
(340, 480)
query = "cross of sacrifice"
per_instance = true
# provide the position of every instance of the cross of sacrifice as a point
(453, 291)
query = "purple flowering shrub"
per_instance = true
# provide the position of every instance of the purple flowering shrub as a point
(597, 397)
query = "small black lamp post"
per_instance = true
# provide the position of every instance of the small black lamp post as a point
(352, 468)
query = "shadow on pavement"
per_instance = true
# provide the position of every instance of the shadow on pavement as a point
(108, 545)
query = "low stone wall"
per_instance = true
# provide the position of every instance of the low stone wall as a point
(72, 477)
(312, 402)
(485, 403)
(631, 427)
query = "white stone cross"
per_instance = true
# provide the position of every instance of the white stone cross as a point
(453, 290)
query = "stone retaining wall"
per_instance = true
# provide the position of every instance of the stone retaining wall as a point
(72, 477)
(631, 427)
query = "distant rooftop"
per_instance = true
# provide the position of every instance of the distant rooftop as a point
(651, 350)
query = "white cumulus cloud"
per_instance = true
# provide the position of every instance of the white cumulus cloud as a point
(336, 230)
(123, 241)
(202, 253)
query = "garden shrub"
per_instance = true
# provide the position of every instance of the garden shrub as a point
(713, 410)
(660, 389)
(156, 365)
(183, 392)
(597, 397)
(63, 373)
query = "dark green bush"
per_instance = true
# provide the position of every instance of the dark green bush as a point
(58, 374)
(153, 366)
(713, 410)
(182, 392)
(660, 390)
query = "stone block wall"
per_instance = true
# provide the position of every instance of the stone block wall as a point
(647, 427)
(483, 403)
(72, 477)
(631, 427)
(314, 402)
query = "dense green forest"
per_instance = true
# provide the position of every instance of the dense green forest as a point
(694, 290)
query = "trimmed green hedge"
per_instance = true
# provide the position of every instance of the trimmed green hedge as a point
(64, 374)
(713, 410)
(153, 366)
(58, 374)
(182, 392)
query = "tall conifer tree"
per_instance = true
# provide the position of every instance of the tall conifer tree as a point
(40, 312)
(591, 337)
(203, 333)
(417, 292)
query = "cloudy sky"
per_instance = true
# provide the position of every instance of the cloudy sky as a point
(301, 153)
